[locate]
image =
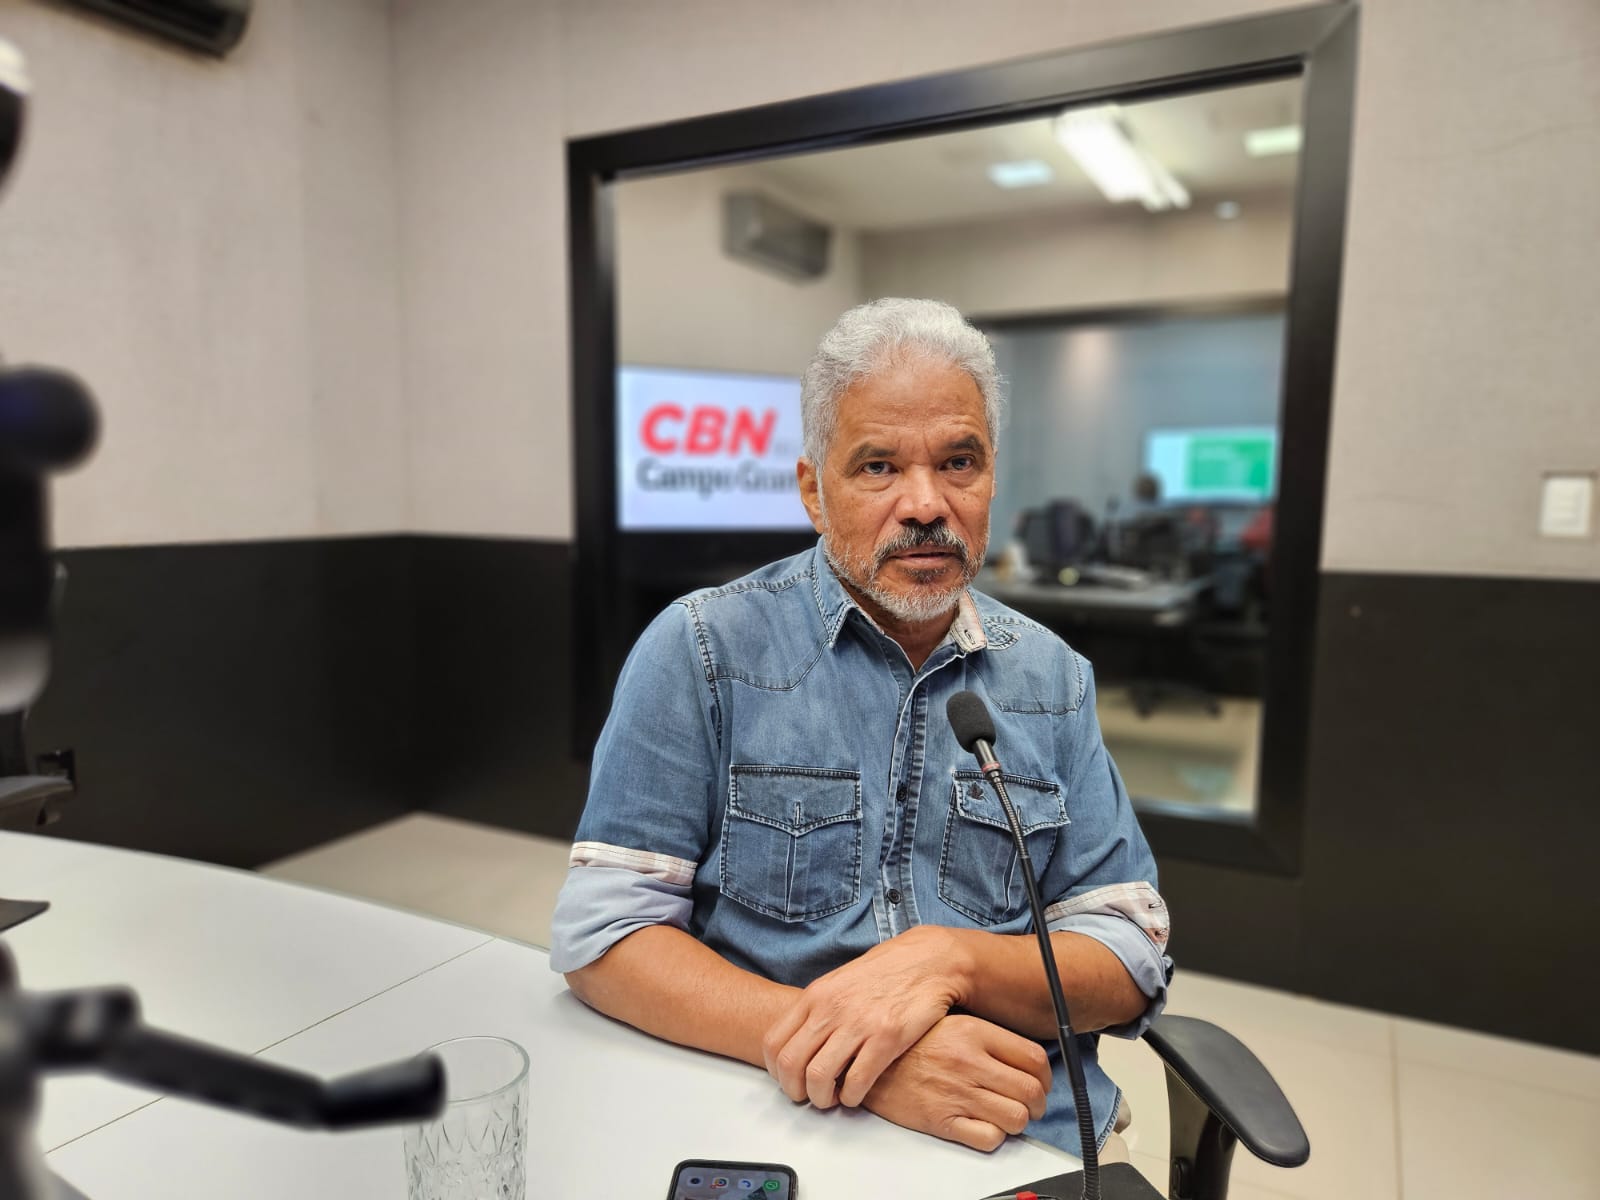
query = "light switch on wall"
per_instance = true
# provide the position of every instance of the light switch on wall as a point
(1567, 509)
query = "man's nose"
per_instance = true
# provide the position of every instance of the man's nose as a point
(921, 498)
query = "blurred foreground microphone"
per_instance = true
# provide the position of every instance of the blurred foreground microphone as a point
(47, 423)
(974, 729)
(13, 88)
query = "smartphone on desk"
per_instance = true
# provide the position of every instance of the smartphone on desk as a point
(713, 1179)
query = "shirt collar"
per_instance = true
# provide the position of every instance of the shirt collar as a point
(835, 605)
(967, 630)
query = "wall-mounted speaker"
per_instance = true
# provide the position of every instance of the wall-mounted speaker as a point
(212, 26)
(759, 230)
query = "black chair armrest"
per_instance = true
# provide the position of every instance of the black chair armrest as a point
(1231, 1082)
(1218, 1092)
(32, 801)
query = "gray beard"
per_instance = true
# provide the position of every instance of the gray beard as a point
(924, 603)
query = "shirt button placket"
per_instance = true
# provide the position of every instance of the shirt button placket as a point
(893, 894)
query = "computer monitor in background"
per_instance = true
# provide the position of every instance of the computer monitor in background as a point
(1058, 534)
(1216, 463)
(707, 451)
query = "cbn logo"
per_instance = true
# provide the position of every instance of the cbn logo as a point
(704, 429)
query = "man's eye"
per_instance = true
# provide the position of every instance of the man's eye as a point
(875, 468)
(962, 462)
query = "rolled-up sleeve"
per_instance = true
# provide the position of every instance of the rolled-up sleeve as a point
(647, 824)
(1101, 881)
(599, 906)
(1144, 960)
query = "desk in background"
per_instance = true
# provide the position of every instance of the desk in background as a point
(1140, 636)
(1157, 605)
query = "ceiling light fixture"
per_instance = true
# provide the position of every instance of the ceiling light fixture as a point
(1026, 172)
(1100, 144)
(1261, 143)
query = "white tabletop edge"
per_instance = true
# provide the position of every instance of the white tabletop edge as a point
(157, 1098)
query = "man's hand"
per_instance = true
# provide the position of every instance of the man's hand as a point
(848, 1026)
(968, 1081)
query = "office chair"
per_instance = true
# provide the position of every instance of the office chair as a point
(1218, 1096)
(29, 799)
(1169, 543)
(1175, 544)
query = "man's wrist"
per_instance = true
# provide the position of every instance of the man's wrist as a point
(988, 972)
(957, 953)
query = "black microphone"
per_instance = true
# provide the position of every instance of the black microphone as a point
(48, 420)
(973, 726)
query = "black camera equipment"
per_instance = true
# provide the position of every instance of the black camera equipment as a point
(48, 422)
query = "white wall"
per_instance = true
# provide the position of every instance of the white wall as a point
(506, 82)
(1047, 262)
(212, 247)
(351, 219)
(682, 302)
(483, 251)
(1465, 366)
(1468, 360)
(204, 242)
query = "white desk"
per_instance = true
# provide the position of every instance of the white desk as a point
(228, 957)
(611, 1110)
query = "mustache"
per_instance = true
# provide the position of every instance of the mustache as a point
(915, 536)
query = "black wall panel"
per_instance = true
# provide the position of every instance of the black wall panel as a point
(237, 703)
(493, 711)
(1452, 815)
(1233, 922)
(233, 702)
(1454, 809)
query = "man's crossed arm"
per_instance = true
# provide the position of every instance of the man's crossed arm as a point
(934, 1029)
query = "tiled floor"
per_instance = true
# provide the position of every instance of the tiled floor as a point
(1396, 1109)
(1182, 752)
(502, 882)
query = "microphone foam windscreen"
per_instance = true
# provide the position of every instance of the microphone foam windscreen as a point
(970, 720)
(48, 420)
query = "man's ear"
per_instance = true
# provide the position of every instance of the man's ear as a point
(810, 491)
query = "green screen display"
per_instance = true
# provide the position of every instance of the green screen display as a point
(1237, 463)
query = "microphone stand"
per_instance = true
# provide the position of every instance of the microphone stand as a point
(1052, 974)
(47, 422)
(974, 729)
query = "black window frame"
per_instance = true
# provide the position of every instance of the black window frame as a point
(1317, 43)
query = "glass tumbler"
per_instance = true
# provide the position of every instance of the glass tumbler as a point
(474, 1151)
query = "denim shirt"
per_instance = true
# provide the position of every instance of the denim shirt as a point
(777, 780)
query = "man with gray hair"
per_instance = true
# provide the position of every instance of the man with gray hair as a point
(786, 857)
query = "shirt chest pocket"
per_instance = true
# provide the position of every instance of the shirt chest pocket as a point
(791, 843)
(980, 874)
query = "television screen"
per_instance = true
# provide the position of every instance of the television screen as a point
(1228, 462)
(707, 450)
